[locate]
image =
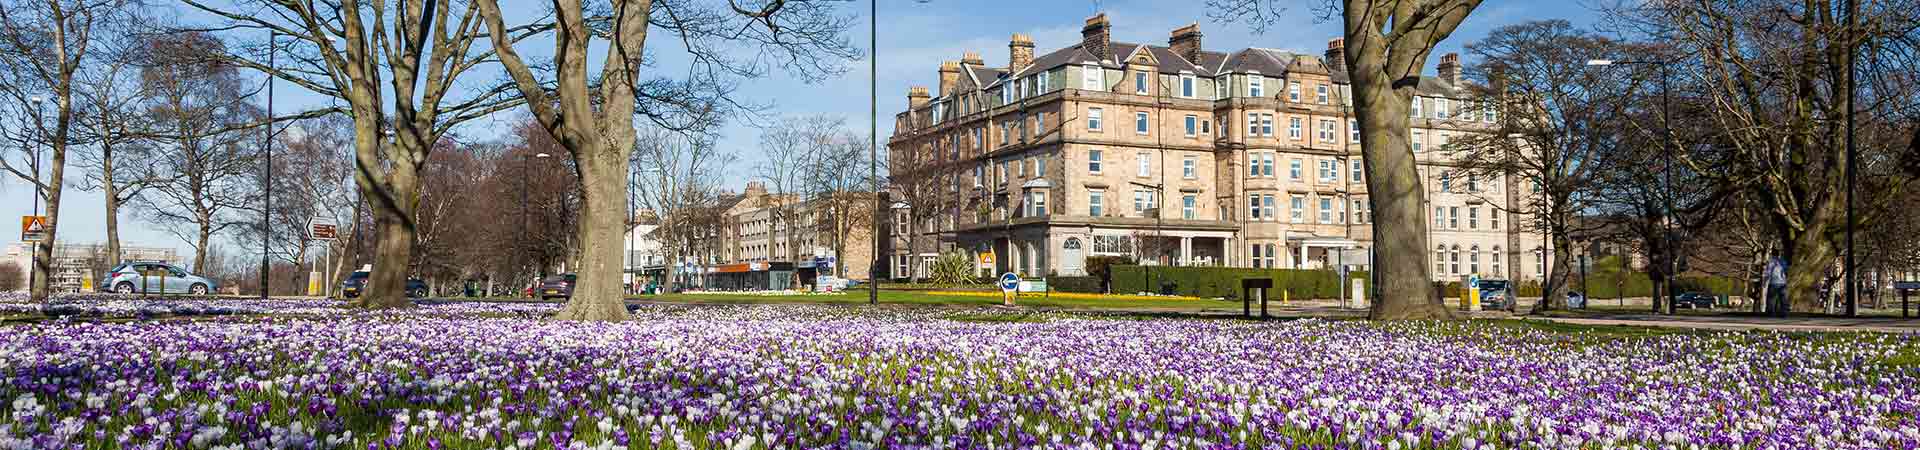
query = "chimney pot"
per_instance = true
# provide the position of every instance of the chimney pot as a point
(972, 58)
(1337, 55)
(949, 77)
(1450, 69)
(916, 97)
(1185, 41)
(1095, 37)
(1019, 52)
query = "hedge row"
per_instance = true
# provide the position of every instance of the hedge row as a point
(1224, 282)
(1089, 285)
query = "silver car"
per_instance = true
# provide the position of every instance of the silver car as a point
(155, 278)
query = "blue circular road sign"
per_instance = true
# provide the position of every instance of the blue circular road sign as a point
(1009, 281)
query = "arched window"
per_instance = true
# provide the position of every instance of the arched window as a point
(1473, 260)
(1440, 260)
(1455, 256)
(1496, 262)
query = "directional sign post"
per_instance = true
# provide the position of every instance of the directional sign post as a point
(33, 228)
(1009, 287)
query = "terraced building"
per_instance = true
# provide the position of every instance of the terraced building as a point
(1178, 155)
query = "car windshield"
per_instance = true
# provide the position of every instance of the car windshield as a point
(357, 276)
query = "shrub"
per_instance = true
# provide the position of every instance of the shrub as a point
(1086, 284)
(952, 268)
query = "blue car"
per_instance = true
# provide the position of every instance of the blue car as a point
(356, 284)
(154, 278)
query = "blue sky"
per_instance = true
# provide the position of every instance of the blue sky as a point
(914, 38)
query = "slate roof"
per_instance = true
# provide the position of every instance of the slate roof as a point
(1266, 61)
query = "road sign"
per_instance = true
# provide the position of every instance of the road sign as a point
(33, 228)
(1906, 285)
(323, 231)
(1009, 282)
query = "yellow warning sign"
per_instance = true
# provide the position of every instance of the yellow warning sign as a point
(33, 228)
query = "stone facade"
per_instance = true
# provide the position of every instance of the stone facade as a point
(762, 227)
(1176, 155)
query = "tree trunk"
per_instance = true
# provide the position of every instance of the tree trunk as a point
(1553, 291)
(43, 251)
(112, 194)
(387, 284)
(201, 240)
(1809, 256)
(1404, 287)
(597, 295)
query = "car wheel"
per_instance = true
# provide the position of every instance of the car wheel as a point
(198, 289)
(123, 287)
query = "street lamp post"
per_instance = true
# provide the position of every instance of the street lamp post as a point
(873, 145)
(266, 208)
(1666, 171)
(1853, 280)
(39, 105)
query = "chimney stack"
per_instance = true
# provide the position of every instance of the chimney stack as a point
(756, 189)
(949, 77)
(1337, 55)
(1019, 52)
(916, 97)
(972, 58)
(1450, 69)
(1185, 41)
(1094, 38)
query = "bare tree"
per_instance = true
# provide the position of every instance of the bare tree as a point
(1547, 103)
(195, 104)
(842, 204)
(1773, 76)
(347, 50)
(111, 123)
(788, 149)
(677, 177)
(923, 180)
(44, 46)
(1387, 43)
(597, 122)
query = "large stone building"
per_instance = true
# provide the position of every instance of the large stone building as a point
(759, 234)
(1177, 155)
(80, 265)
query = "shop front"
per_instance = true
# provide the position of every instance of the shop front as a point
(756, 276)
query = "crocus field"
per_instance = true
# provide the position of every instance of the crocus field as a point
(308, 374)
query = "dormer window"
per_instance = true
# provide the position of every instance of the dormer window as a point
(1188, 85)
(1293, 91)
(1093, 78)
(1256, 85)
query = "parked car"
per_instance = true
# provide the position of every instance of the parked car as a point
(557, 286)
(155, 278)
(1576, 300)
(1693, 300)
(1495, 295)
(356, 284)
